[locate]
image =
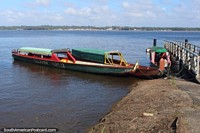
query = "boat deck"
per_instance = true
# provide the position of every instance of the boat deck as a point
(96, 64)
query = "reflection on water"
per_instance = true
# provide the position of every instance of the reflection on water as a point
(56, 75)
(49, 97)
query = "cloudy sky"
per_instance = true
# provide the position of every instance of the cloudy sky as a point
(152, 13)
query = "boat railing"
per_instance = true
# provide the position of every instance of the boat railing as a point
(122, 59)
(110, 60)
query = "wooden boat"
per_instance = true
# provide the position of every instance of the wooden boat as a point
(62, 58)
(115, 57)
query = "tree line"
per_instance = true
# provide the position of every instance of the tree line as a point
(49, 27)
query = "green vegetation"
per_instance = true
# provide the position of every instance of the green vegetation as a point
(49, 27)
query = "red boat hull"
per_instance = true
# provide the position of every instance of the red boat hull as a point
(146, 72)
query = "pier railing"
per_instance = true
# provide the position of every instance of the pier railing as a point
(188, 53)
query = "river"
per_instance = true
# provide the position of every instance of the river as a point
(39, 96)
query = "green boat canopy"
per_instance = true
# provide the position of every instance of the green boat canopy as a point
(101, 56)
(89, 54)
(158, 49)
(42, 51)
(91, 51)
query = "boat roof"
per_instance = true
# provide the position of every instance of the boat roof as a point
(34, 50)
(158, 49)
(95, 51)
(60, 50)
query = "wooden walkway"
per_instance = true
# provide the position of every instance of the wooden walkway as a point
(186, 53)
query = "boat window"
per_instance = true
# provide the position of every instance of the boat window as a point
(46, 56)
(37, 55)
(23, 53)
(30, 54)
(116, 57)
(62, 55)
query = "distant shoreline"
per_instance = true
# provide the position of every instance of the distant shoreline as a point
(93, 28)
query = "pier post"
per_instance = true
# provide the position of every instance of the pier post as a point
(187, 54)
(154, 42)
(186, 43)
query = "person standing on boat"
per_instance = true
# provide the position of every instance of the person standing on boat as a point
(165, 63)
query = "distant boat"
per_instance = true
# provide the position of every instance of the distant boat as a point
(63, 58)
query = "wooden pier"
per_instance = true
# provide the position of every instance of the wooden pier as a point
(188, 56)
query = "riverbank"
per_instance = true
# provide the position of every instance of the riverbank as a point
(94, 28)
(155, 106)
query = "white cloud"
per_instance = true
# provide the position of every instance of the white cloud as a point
(104, 13)
(97, 15)
(139, 8)
(37, 3)
(149, 13)
(55, 17)
(186, 13)
(44, 18)
(43, 2)
(125, 4)
(94, 13)
(70, 11)
(11, 15)
(14, 17)
(86, 11)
